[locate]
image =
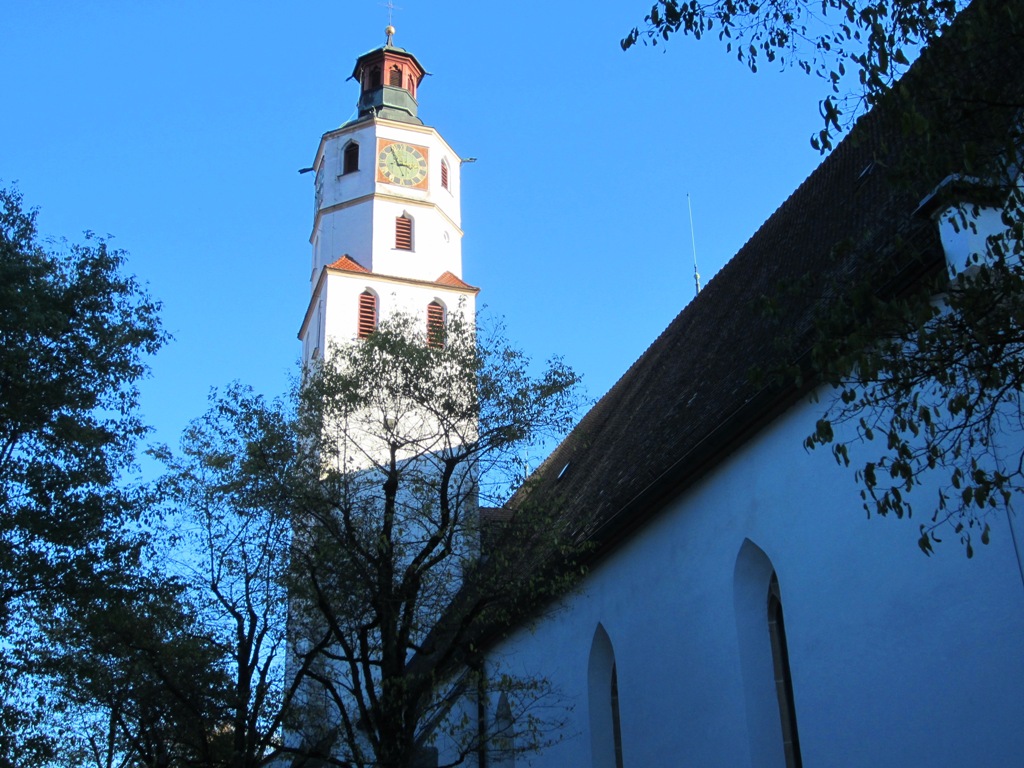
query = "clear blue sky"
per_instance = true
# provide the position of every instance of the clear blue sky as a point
(179, 127)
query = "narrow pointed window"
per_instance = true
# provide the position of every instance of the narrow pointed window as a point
(403, 233)
(616, 725)
(375, 78)
(350, 158)
(367, 314)
(783, 679)
(444, 174)
(503, 745)
(395, 77)
(603, 703)
(435, 324)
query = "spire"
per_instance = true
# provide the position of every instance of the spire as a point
(388, 79)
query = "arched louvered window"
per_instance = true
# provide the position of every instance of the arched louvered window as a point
(783, 679)
(395, 77)
(367, 314)
(403, 232)
(375, 78)
(444, 174)
(410, 85)
(435, 324)
(350, 158)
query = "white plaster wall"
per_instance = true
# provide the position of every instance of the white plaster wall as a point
(342, 291)
(356, 214)
(897, 659)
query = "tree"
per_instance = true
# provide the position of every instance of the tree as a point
(227, 493)
(876, 39)
(930, 376)
(135, 679)
(380, 466)
(74, 333)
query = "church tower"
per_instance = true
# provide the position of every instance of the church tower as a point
(387, 233)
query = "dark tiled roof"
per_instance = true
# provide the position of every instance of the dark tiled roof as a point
(691, 398)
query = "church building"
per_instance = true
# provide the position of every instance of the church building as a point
(738, 608)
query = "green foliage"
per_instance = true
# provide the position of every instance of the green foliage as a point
(227, 502)
(368, 485)
(875, 39)
(74, 332)
(928, 379)
(934, 379)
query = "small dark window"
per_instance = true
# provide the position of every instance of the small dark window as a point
(367, 314)
(395, 77)
(444, 174)
(350, 159)
(375, 78)
(435, 324)
(783, 679)
(616, 725)
(403, 233)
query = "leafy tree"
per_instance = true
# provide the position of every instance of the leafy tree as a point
(931, 377)
(876, 39)
(380, 467)
(74, 332)
(229, 509)
(135, 680)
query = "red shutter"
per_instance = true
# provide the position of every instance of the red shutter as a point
(403, 233)
(367, 314)
(435, 324)
(444, 174)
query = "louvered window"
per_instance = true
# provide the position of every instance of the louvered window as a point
(435, 324)
(444, 174)
(395, 77)
(367, 314)
(403, 233)
(375, 78)
(350, 161)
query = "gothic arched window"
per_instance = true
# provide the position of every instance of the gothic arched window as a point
(375, 78)
(350, 158)
(783, 680)
(503, 745)
(395, 76)
(367, 314)
(603, 700)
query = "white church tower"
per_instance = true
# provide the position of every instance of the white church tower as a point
(387, 230)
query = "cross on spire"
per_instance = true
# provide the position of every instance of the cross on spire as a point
(390, 30)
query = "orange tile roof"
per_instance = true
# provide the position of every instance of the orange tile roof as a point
(348, 264)
(449, 279)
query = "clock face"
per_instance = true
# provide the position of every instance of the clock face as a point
(402, 164)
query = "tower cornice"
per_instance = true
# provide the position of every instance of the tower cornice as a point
(411, 201)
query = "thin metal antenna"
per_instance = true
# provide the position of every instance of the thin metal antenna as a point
(693, 242)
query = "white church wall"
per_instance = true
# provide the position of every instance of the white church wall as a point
(896, 658)
(436, 240)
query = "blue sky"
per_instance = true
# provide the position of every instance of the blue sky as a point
(179, 128)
